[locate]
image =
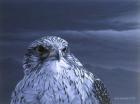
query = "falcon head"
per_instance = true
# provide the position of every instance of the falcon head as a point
(46, 49)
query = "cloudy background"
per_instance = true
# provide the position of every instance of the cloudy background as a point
(103, 34)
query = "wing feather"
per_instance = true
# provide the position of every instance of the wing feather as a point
(101, 92)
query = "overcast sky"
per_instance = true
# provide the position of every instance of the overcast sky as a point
(68, 0)
(44, 16)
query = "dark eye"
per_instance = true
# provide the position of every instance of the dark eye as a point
(41, 50)
(64, 49)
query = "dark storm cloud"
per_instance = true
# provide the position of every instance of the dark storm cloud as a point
(64, 0)
(38, 16)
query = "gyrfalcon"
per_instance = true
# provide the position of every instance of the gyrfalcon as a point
(53, 75)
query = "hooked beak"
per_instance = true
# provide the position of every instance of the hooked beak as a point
(58, 55)
(55, 55)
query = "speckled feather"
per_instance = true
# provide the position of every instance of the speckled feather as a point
(57, 82)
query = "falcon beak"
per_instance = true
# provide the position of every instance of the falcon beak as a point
(58, 55)
(55, 55)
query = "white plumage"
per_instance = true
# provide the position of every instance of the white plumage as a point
(53, 75)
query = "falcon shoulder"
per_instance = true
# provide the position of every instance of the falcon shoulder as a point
(99, 89)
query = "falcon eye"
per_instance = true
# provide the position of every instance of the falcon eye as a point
(64, 49)
(41, 50)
